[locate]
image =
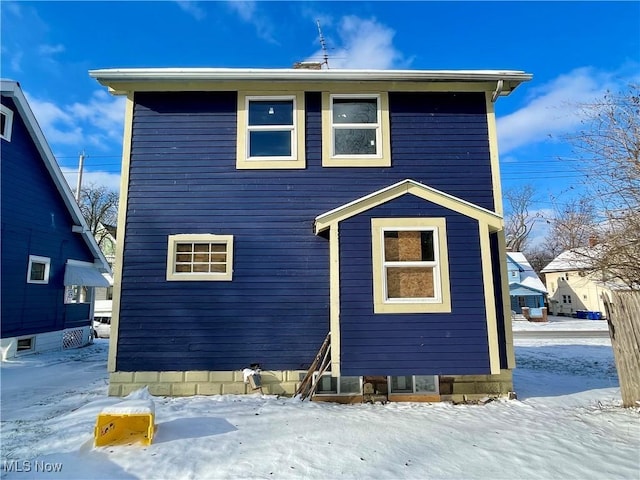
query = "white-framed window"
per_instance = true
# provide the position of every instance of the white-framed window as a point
(410, 265)
(270, 131)
(200, 257)
(356, 130)
(328, 385)
(413, 384)
(38, 270)
(6, 123)
(25, 345)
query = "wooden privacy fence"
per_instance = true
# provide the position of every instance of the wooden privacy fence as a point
(623, 316)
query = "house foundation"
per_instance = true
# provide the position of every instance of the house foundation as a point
(455, 388)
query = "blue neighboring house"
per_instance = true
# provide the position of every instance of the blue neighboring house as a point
(50, 260)
(264, 208)
(525, 287)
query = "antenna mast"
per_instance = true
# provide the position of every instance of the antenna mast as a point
(323, 45)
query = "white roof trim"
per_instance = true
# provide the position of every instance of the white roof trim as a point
(148, 74)
(11, 88)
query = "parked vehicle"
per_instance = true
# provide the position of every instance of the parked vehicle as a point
(102, 327)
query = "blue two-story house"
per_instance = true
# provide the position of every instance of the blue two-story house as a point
(263, 209)
(50, 260)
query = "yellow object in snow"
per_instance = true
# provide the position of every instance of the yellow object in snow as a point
(126, 423)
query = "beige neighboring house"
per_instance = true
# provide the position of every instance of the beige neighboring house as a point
(573, 289)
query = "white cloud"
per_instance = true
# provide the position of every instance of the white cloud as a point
(50, 49)
(100, 178)
(248, 12)
(192, 8)
(362, 43)
(553, 109)
(97, 123)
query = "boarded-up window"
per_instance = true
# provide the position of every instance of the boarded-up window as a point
(409, 261)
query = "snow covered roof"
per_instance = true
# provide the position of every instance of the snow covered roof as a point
(528, 276)
(570, 260)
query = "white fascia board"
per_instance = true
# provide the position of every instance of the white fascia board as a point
(111, 77)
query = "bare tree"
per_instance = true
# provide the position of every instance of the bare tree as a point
(572, 226)
(609, 146)
(99, 206)
(519, 221)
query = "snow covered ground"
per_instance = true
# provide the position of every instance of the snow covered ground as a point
(566, 424)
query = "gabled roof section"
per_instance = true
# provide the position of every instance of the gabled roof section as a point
(12, 89)
(123, 80)
(408, 186)
(572, 260)
(528, 277)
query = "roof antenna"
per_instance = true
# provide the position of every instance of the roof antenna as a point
(323, 45)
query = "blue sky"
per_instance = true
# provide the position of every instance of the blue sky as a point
(575, 51)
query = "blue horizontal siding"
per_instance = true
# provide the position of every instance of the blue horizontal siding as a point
(183, 179)
(35, 221)
(416, 344)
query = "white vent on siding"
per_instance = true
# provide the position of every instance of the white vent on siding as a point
(73, 338)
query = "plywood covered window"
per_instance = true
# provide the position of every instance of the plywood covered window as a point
(200, 257)
(410, 265)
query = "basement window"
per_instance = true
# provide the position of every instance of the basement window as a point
(328, 385)
(200, 257)
(38, 271)
(410, 384)
(6, 123)
(25, 345)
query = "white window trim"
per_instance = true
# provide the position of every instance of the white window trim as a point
(32, 345)
(338, 390)
(297, 157)
(413, 386)
(173, 240)
(382, 157)
(441, 302)
(47, 268)
(8, 124)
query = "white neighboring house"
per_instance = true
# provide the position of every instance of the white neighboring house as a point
(106, 238)
(574, 290)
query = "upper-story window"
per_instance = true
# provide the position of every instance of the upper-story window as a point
(38, 270)
(270, 131)
(6, 123)
(356, 130)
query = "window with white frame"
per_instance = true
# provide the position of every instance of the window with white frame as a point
(328, 385)
(38, 270)
(410, 264)
(270, 131)
(25, 345)
(356, 130)
(411, 384)
(6, 123)
(200, 257)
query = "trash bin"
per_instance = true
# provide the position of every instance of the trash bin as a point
(582, 314)
(594, 315)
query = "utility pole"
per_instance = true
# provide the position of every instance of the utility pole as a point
(80, 167)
